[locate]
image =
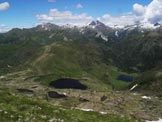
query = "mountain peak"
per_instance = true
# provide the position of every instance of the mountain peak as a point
(47, 26)
(96, 23)
(92, 23)
(157, 24)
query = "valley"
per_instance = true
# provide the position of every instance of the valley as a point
(59, 74)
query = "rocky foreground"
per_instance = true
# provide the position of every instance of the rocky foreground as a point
(128, 104)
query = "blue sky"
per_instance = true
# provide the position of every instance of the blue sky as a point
(27, 13)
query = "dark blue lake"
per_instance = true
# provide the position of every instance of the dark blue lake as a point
(125, 78)
(67, 83)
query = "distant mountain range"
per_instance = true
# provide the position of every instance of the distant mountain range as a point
(96, 47)
(108, 32)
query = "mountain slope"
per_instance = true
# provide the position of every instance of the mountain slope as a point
(81, 52)
(31, 59)
(15, 107)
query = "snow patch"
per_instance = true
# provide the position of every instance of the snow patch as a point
(135, 93)
(160, 120)
(64, 93)
(1, 77)
(68, 26)
(51, 36)
(56, 120)
(134, 87)
(9, 66)
(149, 26)
(142, 31)
(146, 97)
(93, 27)
(116, 34)
(102, 36)
(101, 112)
(98, 34)
(44, 26)
(65, 38)
(85, 109)
(82, 30)
(117, 26)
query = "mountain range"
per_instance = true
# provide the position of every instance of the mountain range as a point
(135, 48)
(97, 55)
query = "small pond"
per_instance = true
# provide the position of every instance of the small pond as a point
(68, 83)
(125, 78)
(53, 94)
(25, 91)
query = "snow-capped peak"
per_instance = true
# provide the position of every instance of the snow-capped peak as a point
(46, 26)
(149, 26)
(68, 26)
(96, 24)
(117, 26)
(143, 26)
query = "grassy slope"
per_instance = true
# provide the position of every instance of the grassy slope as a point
(83, 58)
(76, 60)
(13, 56)
(63, 59)
(150, 82)
(18, 108)
(117, 84)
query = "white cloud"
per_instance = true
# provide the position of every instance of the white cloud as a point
(118, 20)
(138, 9)
(4, 6)
(79, 6)
(64, 17)
(51, 1)
(151, 14)
(3, 28)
